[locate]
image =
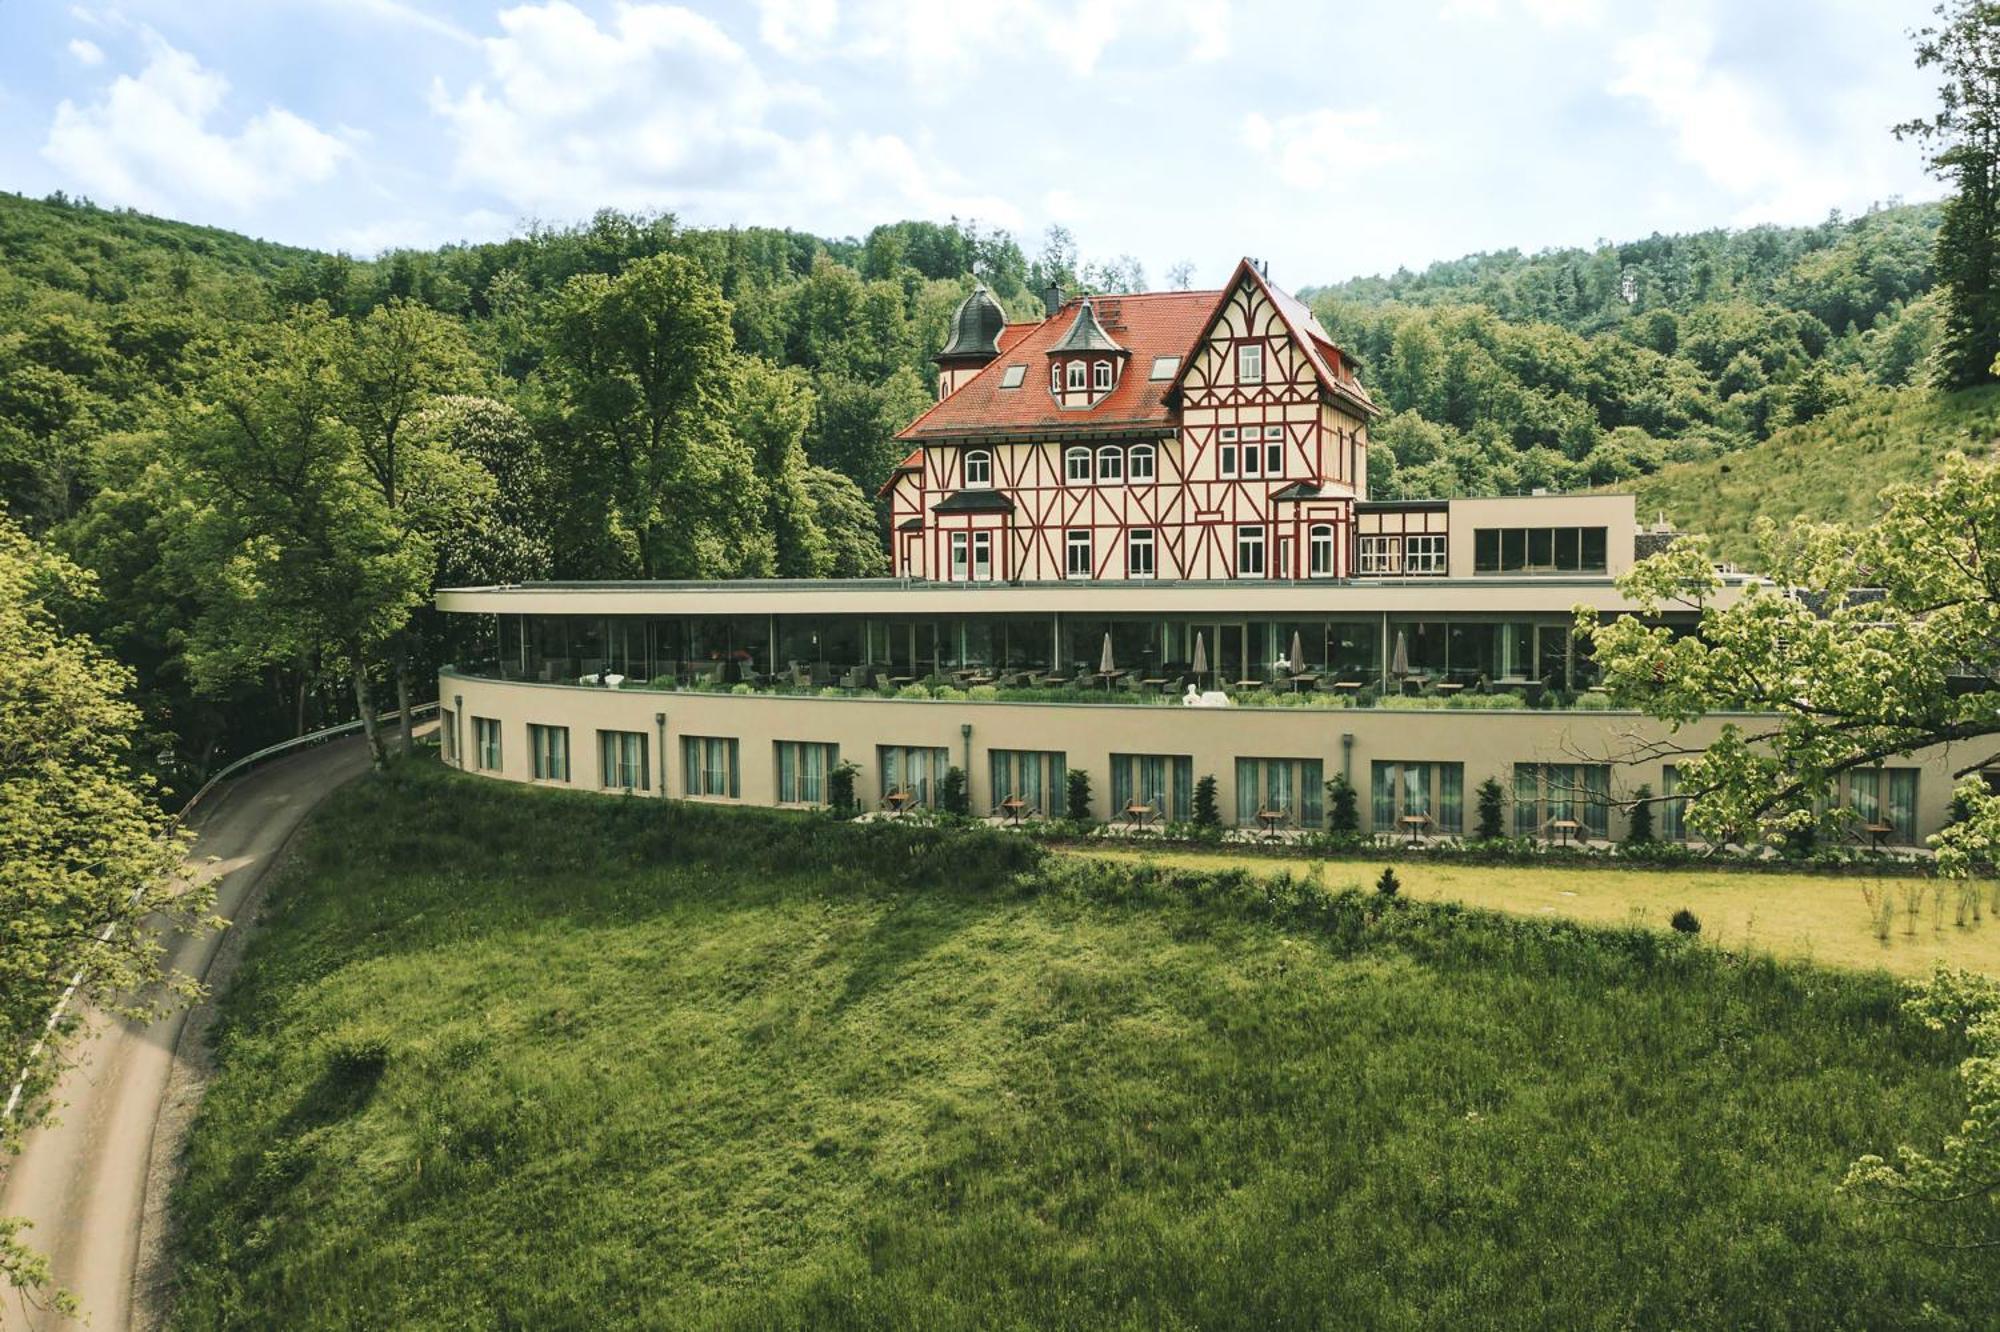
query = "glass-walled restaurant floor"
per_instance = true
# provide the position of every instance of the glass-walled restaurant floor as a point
(1381, 652)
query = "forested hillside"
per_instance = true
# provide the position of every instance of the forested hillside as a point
(1575, 368)
(211, 422)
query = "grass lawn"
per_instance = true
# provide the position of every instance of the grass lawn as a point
(519, 1058)
(1813, 917)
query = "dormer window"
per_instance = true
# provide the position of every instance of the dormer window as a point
(1055, 379)
(978, 468)
(1100, 375)
(1250, 363)
(1076, 374)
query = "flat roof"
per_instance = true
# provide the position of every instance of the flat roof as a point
(1493, 595)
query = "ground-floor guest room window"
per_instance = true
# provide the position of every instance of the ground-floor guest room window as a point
(1884, 798)
(548, 746)
(1292, 787)
(486, 742)
(912, 771)
(1035, 777)
(448, 735)
(802, 771)
(1433, 792)
(708, 764)
(1672, 823)
(1546, 794)
(622, 760)
(1163, 781)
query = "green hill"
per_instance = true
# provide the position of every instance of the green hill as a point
(518, 1058)
(1833, 468)
(108, 255)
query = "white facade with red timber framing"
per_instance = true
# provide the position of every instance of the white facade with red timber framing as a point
(1169, 436)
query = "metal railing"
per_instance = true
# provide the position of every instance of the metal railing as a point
(174, 825)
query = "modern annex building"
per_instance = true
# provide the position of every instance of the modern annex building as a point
(1135, 503)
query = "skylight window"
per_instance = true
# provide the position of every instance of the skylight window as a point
(1165, 367)
(1011, 377)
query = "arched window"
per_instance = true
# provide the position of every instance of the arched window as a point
(1139, 464)
(1110, 463)
(1076, 374)
(1319, 545)
(1076, 465)
(1055, 378)
(1100, 375)
(979, 468)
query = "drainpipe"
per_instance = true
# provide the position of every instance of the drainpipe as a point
(1347, 755)
(660, 726)
(965, 734)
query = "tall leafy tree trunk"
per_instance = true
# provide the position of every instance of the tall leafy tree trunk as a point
(399, 649)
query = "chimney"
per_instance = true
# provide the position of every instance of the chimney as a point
(1052, 299)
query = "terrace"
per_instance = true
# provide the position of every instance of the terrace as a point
(1385, 661)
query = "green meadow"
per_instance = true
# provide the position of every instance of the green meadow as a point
(516, 1058)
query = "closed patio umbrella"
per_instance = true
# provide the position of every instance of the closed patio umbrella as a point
(1200, 657)
(1298, 653)
(1105, 666)
(1399, 661)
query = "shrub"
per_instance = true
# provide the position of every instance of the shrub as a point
(953, 797)
(914, 691)
(1684, 922)
(1205, 815)
(1388, 885)
(1492, 810)
(1639, 827)
(1343, 813)
(1077, 804)
(983, 694)
(840, 786)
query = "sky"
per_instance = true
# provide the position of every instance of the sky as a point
(1328, 139)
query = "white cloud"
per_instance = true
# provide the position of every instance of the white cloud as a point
(148, 141)
(1314, 150)
(937, 45)
(658, 107)
(1547, 13)
(86, 51)
(410, 15)
(1740, 137)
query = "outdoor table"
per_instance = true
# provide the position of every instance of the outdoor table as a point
(1449, 687)
(1348, 686)
(1564, 827)
(1877, 831)
(1154, 682)
(1012, 807)
(1249, 684)
(897, 802)
(1307, 678)
(1138, 814)
(1270, 818)
(1108, 677)
(1055, 681)
(1414, 824)
(977, 680)
(900, 680)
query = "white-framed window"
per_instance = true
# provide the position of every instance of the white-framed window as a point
(960, 544)
(1139, 464)
(1424, 554)
(1139, 553)
(1319, 550)
(1076, 552)
(1110, 463)
(979, 468)
(1076, 465)
(1274, 450)
(1226, 452)
(709, 766)
(1250, 363)
(1100, 375)
(1076, 374)
(486, 743)
(982, 557)
(548, 747)
(1252, 460)
(621, 760)
(1055, 378)
(1249, 552)
(1381, 554)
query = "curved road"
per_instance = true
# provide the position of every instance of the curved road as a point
(82, 1181)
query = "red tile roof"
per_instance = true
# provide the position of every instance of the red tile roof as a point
(1161, 323)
